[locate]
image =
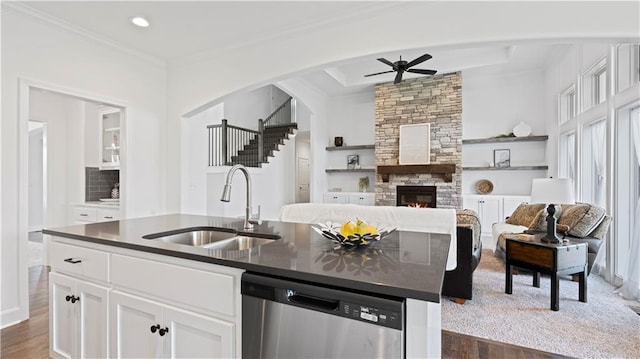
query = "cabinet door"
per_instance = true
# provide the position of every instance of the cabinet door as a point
(471, 203)
(131, 320)
(363, 199)
(490, 213)
(195, 336)
(334, 197)
(92, 328)
(62, 317)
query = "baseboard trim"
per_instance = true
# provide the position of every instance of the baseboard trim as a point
(487, 242)
(10, 317)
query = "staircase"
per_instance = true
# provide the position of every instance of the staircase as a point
(273, 137)
(230, 145)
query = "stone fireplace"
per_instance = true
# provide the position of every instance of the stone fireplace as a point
(416, 196)
(436, 100)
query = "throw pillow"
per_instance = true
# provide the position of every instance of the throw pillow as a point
(525, 214)
(582, 218)
(601, 230)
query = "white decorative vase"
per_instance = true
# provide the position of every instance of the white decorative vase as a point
(522, 130)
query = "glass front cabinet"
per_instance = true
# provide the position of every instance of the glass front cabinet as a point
(110, 138)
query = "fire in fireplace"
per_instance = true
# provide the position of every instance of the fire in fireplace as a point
(416, 196)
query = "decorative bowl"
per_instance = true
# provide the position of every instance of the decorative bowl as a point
(484, 186)
(360, 235)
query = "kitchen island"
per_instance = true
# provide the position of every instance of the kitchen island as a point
(128, 274)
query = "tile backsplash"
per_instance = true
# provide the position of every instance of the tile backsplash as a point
(98, 184)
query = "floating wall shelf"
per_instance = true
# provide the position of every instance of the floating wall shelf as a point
(349, 170)
(446, 170)
(356, 147)
(505, 139)
(512, 168)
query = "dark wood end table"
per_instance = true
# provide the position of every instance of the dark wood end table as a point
(548, 258)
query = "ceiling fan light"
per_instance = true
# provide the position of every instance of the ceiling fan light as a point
(139, 21)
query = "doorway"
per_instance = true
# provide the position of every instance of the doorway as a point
(303, 188)
(37, 190)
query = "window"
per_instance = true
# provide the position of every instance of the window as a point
(567, 165)
(568, 104)
(600, 86)
(594, 163)
(595, 84)
(628, 65)
(627, 184)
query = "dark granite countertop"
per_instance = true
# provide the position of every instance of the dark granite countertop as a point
(403, 264)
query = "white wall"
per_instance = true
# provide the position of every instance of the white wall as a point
(54, 57)
(92, 151)
(493, 105)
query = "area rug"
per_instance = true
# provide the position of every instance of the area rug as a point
(604, 327)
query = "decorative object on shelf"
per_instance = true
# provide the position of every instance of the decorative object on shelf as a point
(415, 144)
(505, 135)
(522, 130)
(352, 235)
(338, 141)
(552, 191)
(484, 186)
(353, 162)
(115, 192)
(502, 158)
(363, 184)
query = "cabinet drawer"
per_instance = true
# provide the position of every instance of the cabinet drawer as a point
(79, 261)
(211, 292)
(105, 215)
(85, 214)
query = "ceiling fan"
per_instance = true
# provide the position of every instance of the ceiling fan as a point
(402, 66)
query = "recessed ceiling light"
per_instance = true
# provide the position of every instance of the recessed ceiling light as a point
(140, 21)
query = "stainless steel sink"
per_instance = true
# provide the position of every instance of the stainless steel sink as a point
(212, 238)
(238, 243)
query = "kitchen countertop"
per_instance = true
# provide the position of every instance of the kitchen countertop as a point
(404, 264)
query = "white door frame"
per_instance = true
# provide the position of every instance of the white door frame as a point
(24, 85)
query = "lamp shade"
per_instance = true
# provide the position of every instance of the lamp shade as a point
(552, 190)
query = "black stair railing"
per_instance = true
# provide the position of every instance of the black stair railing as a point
(229, 145)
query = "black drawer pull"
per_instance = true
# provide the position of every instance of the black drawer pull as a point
(84, 215)
(70, 260)
(108, 217)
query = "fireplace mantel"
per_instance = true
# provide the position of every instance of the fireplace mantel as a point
(446, 170)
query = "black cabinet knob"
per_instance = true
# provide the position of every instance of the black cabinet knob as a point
(154, 328)
(164, 331)
(67, 298)
(74, 299)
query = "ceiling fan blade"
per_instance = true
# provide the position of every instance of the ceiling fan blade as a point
(424, 72)
(379, 73)
(398, 77)
(385, 61)
(419, 60)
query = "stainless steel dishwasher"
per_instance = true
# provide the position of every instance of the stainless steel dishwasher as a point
(288, 319)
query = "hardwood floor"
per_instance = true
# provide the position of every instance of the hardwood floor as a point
(30, 339)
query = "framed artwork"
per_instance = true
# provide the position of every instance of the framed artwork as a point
(353, 162)
(502, 158)
(415, 144)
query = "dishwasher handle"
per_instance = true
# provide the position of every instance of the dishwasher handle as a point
(313, 302)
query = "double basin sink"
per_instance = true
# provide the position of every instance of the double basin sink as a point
(213, 238)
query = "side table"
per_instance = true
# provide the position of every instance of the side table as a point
(548, 258)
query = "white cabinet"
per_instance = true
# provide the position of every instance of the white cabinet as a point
(361, 198)
(144, 328)
(336, 197)
(89, 214)
(489, 210)
(109, 137)
(77, 318)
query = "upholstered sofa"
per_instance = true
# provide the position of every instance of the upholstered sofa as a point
(580, 222)
(462, 225)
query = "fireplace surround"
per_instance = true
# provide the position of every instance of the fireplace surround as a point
(416, 196)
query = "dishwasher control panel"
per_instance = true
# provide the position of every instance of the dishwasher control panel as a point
(374, 315)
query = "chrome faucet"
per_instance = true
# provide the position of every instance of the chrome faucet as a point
(249, 220)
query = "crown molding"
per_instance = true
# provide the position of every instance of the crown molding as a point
(52, 20)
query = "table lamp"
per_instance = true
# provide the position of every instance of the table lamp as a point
(552, 191)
